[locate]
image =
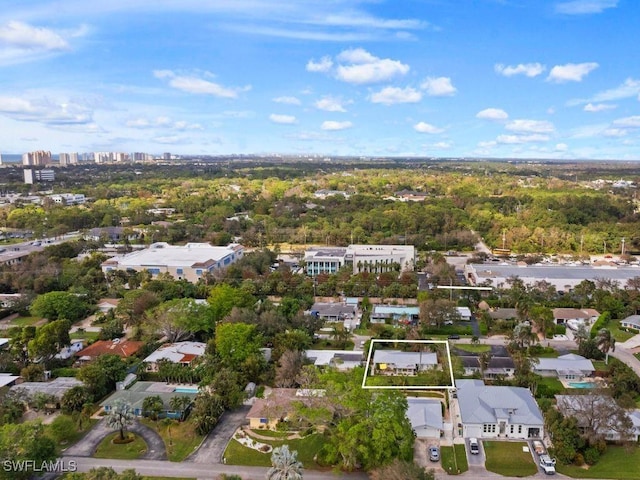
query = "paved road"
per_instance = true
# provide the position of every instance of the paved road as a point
(212, 448)
(88, 444)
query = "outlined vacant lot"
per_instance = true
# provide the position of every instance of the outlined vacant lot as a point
(408, 365)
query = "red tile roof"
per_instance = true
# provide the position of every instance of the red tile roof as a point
(124, 348)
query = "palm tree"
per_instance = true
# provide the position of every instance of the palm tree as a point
(285, 465)
(180, 403)
(605, 342)
(120, 416)
(153, 407)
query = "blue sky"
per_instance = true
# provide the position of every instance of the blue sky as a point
(444, 78)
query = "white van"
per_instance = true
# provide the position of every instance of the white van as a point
(474, 446)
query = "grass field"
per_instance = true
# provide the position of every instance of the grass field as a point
(180, 438)
(128, 451)
(90, 336)
(508, 459)
(24, 321)
(619, 334)
(469, 347)
(307, 448)
(454, 459)
(617, 463)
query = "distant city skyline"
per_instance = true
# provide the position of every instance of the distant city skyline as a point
(485, 78)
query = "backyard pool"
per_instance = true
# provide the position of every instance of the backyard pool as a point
(582, 384)
(186, 390)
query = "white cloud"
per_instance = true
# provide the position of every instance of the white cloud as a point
(359, 67)
(330, 104)
(628, 122)
(331, 125)
(598, 107)
(324, 65)
(530, 126)
(423, 127)
(23, 36)
(520, 139)
(582, 7)
(438, 87)
(630, 88)
(199, 86)
(527, 69)
(487, 144)
(393, 95)
(282, 119)
(615, 132)
(288, 100)
(162, 122)
(561, 147)
(45, 111)
(571, 72)
(492, 114)
(440, 145)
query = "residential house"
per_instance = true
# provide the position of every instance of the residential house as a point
(395, 314)
(395, 362)
(340, 359)
(572, 406)
(503, 314)
(139, 391)
(117, 346)
(107, 304)
(464, 313)
(500, 367)
(183, 353)
(574, 317)
(632, 322)
(410, 196)
(334, 312)
(280, 404)
(71, 350)
(190, 262)
(565, 367)
(498, 411)
(9, 380)
(425, 415)
(56, 387)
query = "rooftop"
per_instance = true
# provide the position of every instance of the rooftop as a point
(122, 348)
(405, 359)
(56, 387)
(162, 253)
(424, 412)
(180, 352)
(565, 363)
(141, 390)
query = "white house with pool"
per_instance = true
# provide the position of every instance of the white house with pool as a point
(569, 368)
(182, 353)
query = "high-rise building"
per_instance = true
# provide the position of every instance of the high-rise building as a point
(45, 175)
(166, 156)
(68, 159)
(38, 158)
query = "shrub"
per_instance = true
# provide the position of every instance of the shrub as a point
(578, 460)
(591, 455)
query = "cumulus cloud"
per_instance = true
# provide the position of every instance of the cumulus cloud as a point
(527, 69)
(520, 139)
(423, 127)
(358, 66)
(21, 42)
(198, 86)
(492, 114)
(45, 111)
(282, 119)
(582, 7)
(530, 126)
(438, 87)
(331, 125)
(393, 95)
(323, 65)
(330, 104)
(598, 107)
(162, 122)
(288, 100)
(571, 72)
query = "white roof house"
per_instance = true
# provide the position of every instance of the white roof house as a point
(189, 262)
(362, 258)
(566, 367)
(498, 411)
(395, 362)
(425, 415)
(341, 359)
(180, 352)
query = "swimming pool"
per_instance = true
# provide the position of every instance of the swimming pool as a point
(582, 384)
(186, 390)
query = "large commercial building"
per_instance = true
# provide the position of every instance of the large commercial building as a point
(562, 277)
(190, 262)
(37, 158)
(362, 258)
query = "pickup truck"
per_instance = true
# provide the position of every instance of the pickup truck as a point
(538, 447)
(548, 464)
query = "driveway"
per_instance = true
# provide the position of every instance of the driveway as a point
(475, 462)
(212, 448)
(88, 444)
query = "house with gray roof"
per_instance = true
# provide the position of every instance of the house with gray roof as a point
(395, 362)
(394, 314)
(425, 415)
(139, 391)
(340, 359)
(632, 322)
(565, 367)
(498, 411)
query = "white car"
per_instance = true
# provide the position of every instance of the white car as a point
(474, 446)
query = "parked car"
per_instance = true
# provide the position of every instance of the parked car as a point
(434, 454)
(474, 446)
(454, 337)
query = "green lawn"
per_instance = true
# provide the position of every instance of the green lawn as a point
(469, 347)
(77, 435)
(180, 438)
(307, 448)
(619, 334)
(24, 321)
(616, 463)
(90, 336)
(508, 459)
(454, 459)
(128, 451)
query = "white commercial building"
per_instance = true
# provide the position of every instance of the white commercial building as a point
(190, 262)
(361, 258)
